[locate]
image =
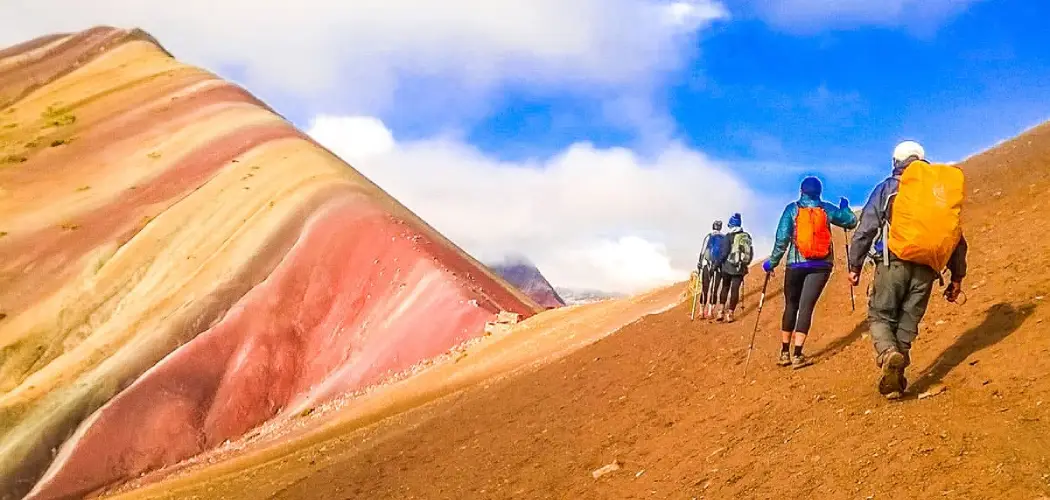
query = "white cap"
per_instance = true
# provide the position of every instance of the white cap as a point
(907, 149)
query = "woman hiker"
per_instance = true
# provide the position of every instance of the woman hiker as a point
(804, 236)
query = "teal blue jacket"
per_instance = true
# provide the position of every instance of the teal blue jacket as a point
(785, 244)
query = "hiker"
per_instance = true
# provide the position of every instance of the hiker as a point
(910, 229)
(804, 236)
(737, 254)
(711, 253)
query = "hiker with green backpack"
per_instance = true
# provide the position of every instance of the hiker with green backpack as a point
(804, 237)
(735, 259)
(911, 229)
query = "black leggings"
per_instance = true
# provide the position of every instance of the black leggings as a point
(802, 288)
(730, 290)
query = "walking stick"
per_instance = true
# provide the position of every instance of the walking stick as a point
(852, 300)
(711, 291)
(758, 314)
(696, 294)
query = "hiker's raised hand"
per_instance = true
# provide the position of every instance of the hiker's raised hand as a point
(767, 266)
(854, 278)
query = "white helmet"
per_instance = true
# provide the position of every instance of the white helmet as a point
(906, 150)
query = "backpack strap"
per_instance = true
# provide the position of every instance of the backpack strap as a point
(885, 226)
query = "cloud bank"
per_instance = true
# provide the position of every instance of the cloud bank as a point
(361, 53)
(607, 219)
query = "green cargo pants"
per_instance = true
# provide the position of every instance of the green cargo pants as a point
(901, 294)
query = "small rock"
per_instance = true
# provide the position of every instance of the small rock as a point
(940, 322)
(608, 469)
(639, 473)
(867, 412)
(933, 391)
(1039, 297)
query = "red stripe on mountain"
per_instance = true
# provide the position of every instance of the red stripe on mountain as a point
(29, 46)
(119, 117)
(49, 253)
(339, 313)
(33, 73)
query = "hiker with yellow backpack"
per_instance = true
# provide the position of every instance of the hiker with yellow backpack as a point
(804, 237)
(911, 229)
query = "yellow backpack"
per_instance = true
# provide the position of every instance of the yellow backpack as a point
(926, 213)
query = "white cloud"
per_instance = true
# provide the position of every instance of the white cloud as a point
(606, 219)
(810, 15)
(361, 52)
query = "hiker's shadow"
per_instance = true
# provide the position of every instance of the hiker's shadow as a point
(841, 343)
(1002, 320)
(746, 307)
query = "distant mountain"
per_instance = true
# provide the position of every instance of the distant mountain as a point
(574, 296)
(522, 273)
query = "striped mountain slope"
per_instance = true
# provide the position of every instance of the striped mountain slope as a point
(179, 264)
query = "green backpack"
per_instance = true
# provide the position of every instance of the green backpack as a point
(741, 253)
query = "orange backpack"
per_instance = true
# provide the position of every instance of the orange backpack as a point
(812, 233)
(926, 214)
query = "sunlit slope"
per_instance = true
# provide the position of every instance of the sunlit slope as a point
(666, 397)
(179, 264)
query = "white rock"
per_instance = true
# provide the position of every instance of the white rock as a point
(608, 469)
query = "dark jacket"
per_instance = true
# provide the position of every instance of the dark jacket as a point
(723, 264)
(868, 238)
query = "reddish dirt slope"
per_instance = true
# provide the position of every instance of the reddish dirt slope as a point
(666, 398)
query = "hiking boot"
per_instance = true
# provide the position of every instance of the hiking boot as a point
(799, 361)
(785, 359)
(892, 382)
(729, 317)
(721, 315)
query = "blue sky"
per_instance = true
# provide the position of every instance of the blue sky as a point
(832, 101)
(600, 137)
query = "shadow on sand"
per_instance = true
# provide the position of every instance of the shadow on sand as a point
(1001, 321)
(839, 344)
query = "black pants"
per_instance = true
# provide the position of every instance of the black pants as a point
(730, 290)
(802, 288)
(708, 275)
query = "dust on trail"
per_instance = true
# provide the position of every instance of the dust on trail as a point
(665, 398)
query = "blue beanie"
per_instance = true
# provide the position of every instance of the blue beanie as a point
(811, 187)
(734, 221)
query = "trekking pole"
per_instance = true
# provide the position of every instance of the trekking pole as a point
(711, 291)
(758, 314)
(696, 294)
(852, 299)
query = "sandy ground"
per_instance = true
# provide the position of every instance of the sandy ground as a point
(274, 450)
(665, 398)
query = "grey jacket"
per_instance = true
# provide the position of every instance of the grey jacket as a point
(868, 239)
